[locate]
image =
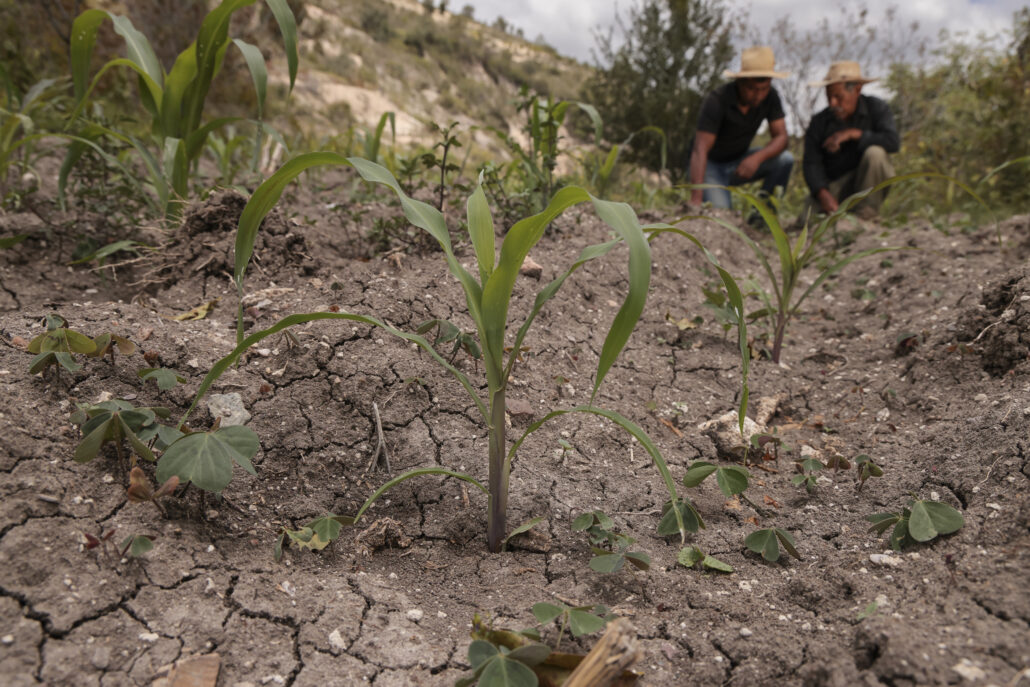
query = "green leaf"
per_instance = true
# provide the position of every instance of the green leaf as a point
(288, 28)
(638, 559)
(206, 458)
(481, 231)
(764, 542)
(530, 654)
(882, 521)
(480, 652)
(505, 672)
(869, 610)
(697, 472)
(732, 480)
(787, 542)
(689, 556)
(524, 527)
(136, 545)
(713, 563)
(258, 71)
(607, 563)
(165, 378)
(584, 623)
(546, 612)
(11, 241)
(583, 522)
(931, 518)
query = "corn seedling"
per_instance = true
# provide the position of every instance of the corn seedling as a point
(920, 521)
(18, 123)
(578, 620)
(767, 542)
(781, 304)
(487, 295)
(174, 99)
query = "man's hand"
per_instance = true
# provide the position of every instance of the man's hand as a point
(827, 201)
(748, 166)
(833, 142)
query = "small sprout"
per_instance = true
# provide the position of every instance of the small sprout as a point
(107, 343)
(135, 545)
(806, 469)
(502, 667)
(580, 620)
(610, 547)
(524, 527)
(731, 479)
(762, 444)
(767, 542)
(314, 536)
(206, 458)
(165, 378)
(868, 611)
(866, 469)
(140, 489)
(691, 556)
(921, 521)
(116, 421)
(56, 345)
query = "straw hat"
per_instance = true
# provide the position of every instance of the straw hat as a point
(842, 72)
(757, 63)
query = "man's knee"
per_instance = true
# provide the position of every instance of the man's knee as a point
(786, 159)
(876, 155)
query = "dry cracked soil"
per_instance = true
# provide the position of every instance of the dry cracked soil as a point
(917, 358)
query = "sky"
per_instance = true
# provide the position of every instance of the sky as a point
(569, 25)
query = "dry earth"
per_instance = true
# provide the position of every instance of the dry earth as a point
(946, 421)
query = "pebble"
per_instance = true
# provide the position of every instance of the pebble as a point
(148, 636)
(980, 398)
(211, 514)
(337, 641)
(744, 632)
(7, 640)
(414, 615)
(969, 670)
(885, 560)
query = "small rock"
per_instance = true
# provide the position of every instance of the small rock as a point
(228, 407)
(149, 637)
(414, 615)
(885, 560)
(7, 640)
(980, 398)
(211, 514)
(274, 679)
(744, 632)
(530, 268)
(521, 411)
(969, 670)
(264, 352)
(336, 641)
(883, 415)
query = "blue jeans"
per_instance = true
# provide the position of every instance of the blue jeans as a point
(773, 172)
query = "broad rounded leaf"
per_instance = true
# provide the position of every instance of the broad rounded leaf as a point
(697, 473)
(639, 560)
(206, 458)
(583, 623)
(505, 672)
(732, 480)
(607, 563)
(690, 556)
(715, 564)
(530, 654)
(480, 652)
(764, 542)
(930, 518)
(545, 612)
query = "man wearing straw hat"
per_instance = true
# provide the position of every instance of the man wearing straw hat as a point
(846, 144)
(730, 117)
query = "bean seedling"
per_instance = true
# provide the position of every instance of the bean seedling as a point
(767, 542)
(806, 473)
(579, 620)
(921, 521)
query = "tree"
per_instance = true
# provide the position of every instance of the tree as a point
(876, 42)
(672, 53)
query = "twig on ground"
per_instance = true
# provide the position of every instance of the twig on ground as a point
(380, 444)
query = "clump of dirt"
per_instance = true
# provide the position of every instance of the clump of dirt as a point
(1000, 324)
(204, 244)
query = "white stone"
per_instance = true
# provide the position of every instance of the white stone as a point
(885, 560)
(414, 615)
(337, 641)
(968, 670)
(228, 407)
(149, 637)
(744, 632)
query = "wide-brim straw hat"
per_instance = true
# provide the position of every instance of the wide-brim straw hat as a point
(842, 72)
(757, 63)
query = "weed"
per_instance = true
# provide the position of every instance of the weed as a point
(579, 620)
(56, 345)
(866, 469)
(133, 546)
(116, 421)
(691, 556)
(140, 490)
(431, 161)
(806, 473)
(164, 378)
(920, 521)
(448, 333)
(609, 546)
(767, 542)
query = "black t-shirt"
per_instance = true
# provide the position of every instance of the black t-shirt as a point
(734, 130)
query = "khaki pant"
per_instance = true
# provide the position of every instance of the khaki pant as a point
(874, 168)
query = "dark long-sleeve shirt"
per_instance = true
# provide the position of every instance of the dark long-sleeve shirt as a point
(876, 121)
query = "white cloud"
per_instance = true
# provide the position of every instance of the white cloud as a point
(568, 25)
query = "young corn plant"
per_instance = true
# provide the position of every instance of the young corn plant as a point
(781, 304)
(174, 99)
(488, 292)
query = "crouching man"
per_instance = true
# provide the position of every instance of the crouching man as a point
(730, 117)
(847, 144)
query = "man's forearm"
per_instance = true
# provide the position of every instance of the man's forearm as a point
(698, 164)
(773, 148)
